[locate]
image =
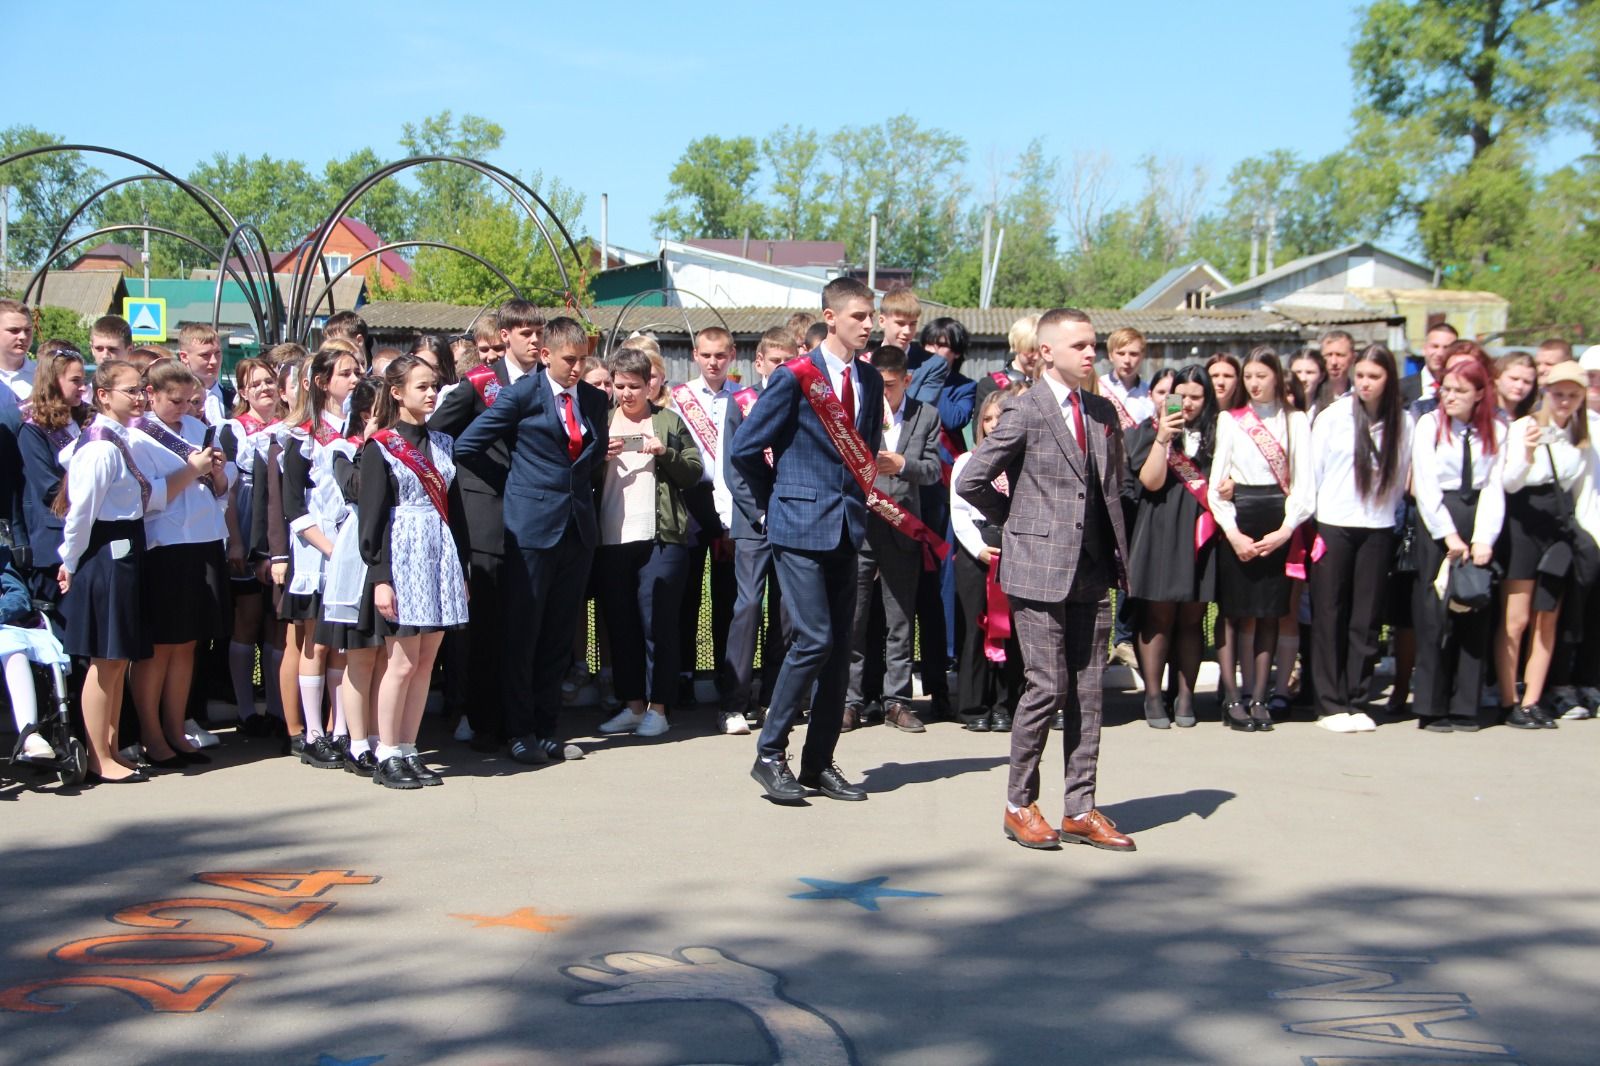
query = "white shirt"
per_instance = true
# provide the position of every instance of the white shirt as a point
(1436, 469)
(100, 489)
(1333, 443)
(193, 516)
(964, 517)
(19, 381)
(1136, 400)
(714, 402)
(561, 414)
(216, 407)
(893, 422)
(837, 369)
(514, 371)
(1063, 395)
(1522, 473)
(1238, 458)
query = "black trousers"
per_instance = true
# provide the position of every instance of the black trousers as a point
(753, 573)
(543, 599)
(640, 586)
(982, 685)
(724, 590)
(481, 644)
(1348, 587)
(1451, 647)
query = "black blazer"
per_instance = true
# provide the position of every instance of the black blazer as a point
(483, 484)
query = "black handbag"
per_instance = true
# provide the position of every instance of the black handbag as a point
(1556, 561)
(1470, 587)
(1405, 545)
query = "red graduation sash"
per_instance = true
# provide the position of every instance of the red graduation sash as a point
(485, 382)
(1303, 547)
(746, 398)
(432, 481)
(858, 459)
(697, 418)
(253, 425)
(323, 434)
(1195, 482)
(1123, 416)
(1000, 378)
(995, 622)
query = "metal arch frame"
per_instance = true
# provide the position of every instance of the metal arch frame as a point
(208, 203)
(39, 275)
(327, 289)
(297, 253)
(275, 298)
(513, 185)
(667, 290)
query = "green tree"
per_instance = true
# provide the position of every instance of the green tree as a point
(387, 207)
(447, 196)
(794, 159)
(1031, 271)
(713, 191)
(1548, 270)
(45, 189)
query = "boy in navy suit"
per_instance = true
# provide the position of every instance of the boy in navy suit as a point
(815, 518)
(556, 426)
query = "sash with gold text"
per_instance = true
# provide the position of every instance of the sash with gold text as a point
(432, 481)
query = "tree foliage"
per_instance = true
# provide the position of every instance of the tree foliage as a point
(44, 191)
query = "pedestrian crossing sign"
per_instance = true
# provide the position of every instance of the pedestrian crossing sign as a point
(147, 317)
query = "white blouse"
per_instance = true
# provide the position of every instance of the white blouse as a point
(1436, 470)
(1238, 458)
(964, 517)
(1333, 444)
(195, 515)
(101, 489)
(1578, 465)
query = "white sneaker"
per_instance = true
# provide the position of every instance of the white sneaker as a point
(653, 724)
(1576, 714)
(625, 722)
(200, 738)
(463, 731)
(734, 724)
(36, 747)
(1363, 723)
(1337, 723)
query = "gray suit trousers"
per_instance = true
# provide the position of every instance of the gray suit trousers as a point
(1063, 657)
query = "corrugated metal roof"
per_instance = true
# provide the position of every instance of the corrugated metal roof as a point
(87, 293)
(395, 315)
(347, 291)
(1296, 265)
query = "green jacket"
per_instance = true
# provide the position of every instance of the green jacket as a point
(676, 469)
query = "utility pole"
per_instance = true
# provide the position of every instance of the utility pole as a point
(983, 262)
(605, 211)
(872, 252)
(1272, 232)
(144, 256)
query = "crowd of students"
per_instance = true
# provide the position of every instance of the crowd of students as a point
(338, 524)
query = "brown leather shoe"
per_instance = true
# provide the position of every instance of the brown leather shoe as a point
(852, 718)
(1028, 828)
(1096, 830)
(900, 716)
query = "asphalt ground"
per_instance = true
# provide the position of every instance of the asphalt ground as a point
(1298, 897)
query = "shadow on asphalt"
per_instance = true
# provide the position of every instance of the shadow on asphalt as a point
(1147, 812)
(894, 775)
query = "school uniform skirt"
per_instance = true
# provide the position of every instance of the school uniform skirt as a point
(1258, 588)
(101, 613)
(297, 608)
(1536, 517)
(186, 593)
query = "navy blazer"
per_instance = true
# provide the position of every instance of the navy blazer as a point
(811, 501)
(42, 477)
(482, 486)
(545, 490)
(928, 374)
(748, 516)
(11, 487)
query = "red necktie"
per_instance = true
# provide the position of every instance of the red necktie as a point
(847, 395)
(574, 434)
(1077, 422)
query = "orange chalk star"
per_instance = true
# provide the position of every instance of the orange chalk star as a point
(522, 918)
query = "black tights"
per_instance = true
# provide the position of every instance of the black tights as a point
(1170, 631)
(1257, 665)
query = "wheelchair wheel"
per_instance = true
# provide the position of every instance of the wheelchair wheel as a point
(76, 765)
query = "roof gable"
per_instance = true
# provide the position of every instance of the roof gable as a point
(1295, 266)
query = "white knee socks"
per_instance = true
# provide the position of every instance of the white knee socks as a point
(311, 704)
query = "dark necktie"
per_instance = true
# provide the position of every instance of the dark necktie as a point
(1466, 461)
(574, 434)
(847, 395)
(1077, 422)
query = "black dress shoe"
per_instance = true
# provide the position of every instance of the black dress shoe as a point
(1436, 725)
(420, 771)
(976, 723)
(361, 764)
(341, 744)
(872, 712)
(171, 762)
(321, 754)
(1058, 721)
(136, 778)
(1000, 720)
(773, 775)
(832, 783)
(394, 773)
(1261, 715)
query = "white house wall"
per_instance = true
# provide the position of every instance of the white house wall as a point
(733, 286)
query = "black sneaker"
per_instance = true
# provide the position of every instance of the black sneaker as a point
(1519, 718)
(394, 773)
(420, 771)
(320, 753)
(1541, 716)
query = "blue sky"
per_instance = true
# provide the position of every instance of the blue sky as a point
(605, 96)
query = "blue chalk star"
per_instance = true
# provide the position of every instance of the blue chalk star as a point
(329, 1060)
(864, 894)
